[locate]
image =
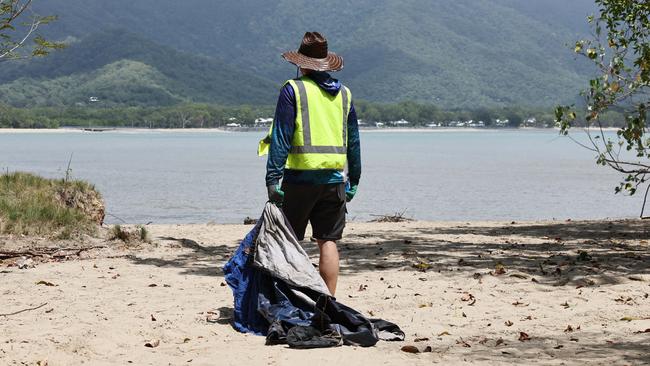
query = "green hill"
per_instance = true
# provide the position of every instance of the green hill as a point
(120, 68)
(454, 53)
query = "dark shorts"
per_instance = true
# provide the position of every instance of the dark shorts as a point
(322, 204)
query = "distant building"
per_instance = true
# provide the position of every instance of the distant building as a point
(530, 122)
(401, 122)
(502, 122)
(263, 121)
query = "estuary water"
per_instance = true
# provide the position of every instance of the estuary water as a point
(447, 175)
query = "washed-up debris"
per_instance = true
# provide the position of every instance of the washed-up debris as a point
(462, 342)
(523, 337)
(46, 283)
(24, 310)
(422, 266)
(467, 297)
(152, 344)
(584, 257)
(632, 318)
(25, 263)
(499, 269)
(624, 300)
(410, 349)
(397, 217)
(212, 316)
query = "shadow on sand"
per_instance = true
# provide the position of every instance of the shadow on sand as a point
(556, 253)
(577, 254)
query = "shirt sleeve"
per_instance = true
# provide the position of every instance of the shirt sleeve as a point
(354, 147)
(284, 124)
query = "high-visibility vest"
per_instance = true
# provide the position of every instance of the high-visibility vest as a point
(320, 137)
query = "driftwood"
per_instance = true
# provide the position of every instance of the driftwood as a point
(54, 252)
(397, 217)
(24, 310)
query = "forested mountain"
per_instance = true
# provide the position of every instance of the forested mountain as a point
(454, 53)
(120, 68)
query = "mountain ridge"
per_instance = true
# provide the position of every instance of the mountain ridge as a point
(455, 54)
(184, 77)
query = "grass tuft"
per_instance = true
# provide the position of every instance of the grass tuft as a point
(139, 234)
(32, 205)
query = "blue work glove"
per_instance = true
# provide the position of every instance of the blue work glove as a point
(350, 192)
(275, 194)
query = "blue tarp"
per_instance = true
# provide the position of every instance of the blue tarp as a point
(267, 305)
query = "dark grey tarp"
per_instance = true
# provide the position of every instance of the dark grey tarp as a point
(278, 252)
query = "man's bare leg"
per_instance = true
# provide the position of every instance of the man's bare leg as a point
(328, 263)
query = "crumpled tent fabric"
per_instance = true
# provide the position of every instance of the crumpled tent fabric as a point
(279, 294)
(278, 252)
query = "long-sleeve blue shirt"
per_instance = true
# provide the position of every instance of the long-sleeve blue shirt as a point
(284, 125)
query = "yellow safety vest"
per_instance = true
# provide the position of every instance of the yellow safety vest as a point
(320, 138)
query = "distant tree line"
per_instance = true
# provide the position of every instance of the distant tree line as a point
(211, 116)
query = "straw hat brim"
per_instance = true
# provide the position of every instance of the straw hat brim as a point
(332, 62)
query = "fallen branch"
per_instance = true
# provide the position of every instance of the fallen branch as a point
(54, 252)
(24, 310)
(397, 217)
(9, 255)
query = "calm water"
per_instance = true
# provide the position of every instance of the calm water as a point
(182, 177)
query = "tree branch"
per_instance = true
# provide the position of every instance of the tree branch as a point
(32, 29)
(24, 310)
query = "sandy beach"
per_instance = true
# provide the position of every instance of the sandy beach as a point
(565, 293)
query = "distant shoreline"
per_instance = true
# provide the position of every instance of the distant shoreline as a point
(128, 130)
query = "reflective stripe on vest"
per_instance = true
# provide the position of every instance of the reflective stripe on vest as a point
(304, 153)
(316, 143)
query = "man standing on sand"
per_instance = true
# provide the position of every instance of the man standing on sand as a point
(315, 133)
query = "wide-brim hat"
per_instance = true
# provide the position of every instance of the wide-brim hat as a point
(313, 54)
